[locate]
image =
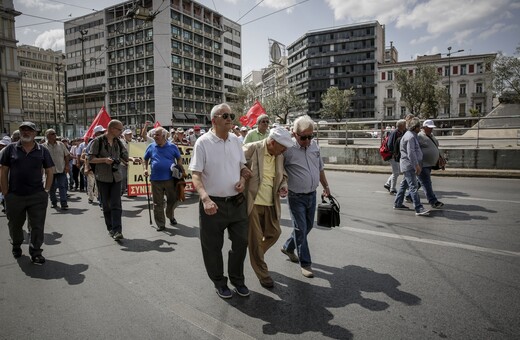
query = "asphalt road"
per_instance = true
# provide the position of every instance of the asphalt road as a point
(383, 274)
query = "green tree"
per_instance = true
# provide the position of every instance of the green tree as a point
(506, 75)
(246, 94)
(419, 90)
(335, 103)
(284, 103)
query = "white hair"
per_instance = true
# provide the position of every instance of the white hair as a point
(217, 108)
(302, 123)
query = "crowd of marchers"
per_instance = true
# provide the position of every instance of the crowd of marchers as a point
(240, 175)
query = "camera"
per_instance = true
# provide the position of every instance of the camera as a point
(115, 164)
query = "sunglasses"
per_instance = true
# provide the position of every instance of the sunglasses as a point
(265, 122)
(227, 115)
(309, 137)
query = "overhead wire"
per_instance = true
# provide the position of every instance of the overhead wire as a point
(278, 11)
(252, 8)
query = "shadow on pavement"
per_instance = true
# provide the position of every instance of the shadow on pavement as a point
(53, 270)
(142, 245)
(304, 307)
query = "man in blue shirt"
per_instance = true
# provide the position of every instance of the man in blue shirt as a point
(21, 181)
(161, 155)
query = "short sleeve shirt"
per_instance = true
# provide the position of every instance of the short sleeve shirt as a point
(161, 159)
(303, 167)
(219, 161)
(100, 148)
(58, 153)
(25, 168)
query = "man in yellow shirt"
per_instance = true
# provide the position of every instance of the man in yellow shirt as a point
(267, 183)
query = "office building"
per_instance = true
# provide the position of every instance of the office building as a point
(42, 80)
(345, 57)
(10, 94)
(160, 62)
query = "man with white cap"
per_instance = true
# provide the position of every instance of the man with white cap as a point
(263, 190)
(431, 159)
(243, 133)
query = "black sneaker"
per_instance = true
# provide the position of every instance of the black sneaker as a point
(401, 207)
(173, 221)
(393, 192)
(408, 199)
(38, 259)
(438, 205)
(242, 290)
(64, 207)
(54, 205)
(17, 251)
(161, 228)
(117, 236)
(111, 233)
(387, 187)
(224, 292)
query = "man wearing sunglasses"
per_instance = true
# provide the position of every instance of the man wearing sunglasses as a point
(305, 172)
(219, 174)
(261, 131)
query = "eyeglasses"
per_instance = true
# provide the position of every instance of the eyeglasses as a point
(265, 122)
(309, 137)
(227, 115)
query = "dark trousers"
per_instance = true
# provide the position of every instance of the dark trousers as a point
(35, 208)
(233, 218)
(79, 179)
(112, 209)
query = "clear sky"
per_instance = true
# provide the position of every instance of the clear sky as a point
(416, 27)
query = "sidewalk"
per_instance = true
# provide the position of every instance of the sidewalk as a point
(385, 169)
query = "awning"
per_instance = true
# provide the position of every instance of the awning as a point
(191, 116)
(179, 116)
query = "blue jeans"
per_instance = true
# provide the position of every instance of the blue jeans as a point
(426, 181)
(59, 182)
(303, 209)
(409, 181)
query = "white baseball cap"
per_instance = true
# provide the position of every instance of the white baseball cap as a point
(428, 123)
(282, 136)
(99, 128)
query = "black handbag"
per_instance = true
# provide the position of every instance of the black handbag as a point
(328, 212)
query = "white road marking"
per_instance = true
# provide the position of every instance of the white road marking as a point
(435, 242)
(466, 198)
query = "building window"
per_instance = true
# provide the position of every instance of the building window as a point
(462, 109)
(390, 93)
(471, 68)
(478, 106)
(462, 69)
(478, 87)
(389, 111)
(455, 70)
(446, 71)
(383, 75)
(403, 111)
(462, 89)
(390, 75)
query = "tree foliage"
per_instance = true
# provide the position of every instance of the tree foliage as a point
(281, 105)
(335, 103)
(506, 75)
(246, 96)
(419, 90)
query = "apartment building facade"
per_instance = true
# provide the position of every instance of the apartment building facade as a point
(10, 94)
(165, 62)
(345, 57)
(42, 76)
(467, 80)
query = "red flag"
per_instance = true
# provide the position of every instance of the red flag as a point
(250, 118)
(102, 118)
(156, 125)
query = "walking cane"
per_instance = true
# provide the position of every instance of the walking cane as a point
(148, 196)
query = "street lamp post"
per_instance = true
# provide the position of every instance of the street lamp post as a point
(59, 67)
(449, 77)
(83, 34)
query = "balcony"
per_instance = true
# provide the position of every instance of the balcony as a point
(389, 100)
(462, 95)
(478, 95)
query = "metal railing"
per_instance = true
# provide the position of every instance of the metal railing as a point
(494, 131)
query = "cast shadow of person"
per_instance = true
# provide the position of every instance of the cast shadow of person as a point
(50, 239)
(304, 307)
(142, 245)
(53, 270)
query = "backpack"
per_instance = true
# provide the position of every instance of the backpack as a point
(385, 153)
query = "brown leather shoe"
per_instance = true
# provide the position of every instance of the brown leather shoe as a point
(267, 282)
(292, 256)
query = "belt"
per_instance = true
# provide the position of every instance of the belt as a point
(225, 199)
(301, 193)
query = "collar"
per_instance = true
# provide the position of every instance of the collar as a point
(36, 145)
(215, 139)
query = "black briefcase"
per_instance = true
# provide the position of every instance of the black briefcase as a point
(328, 212)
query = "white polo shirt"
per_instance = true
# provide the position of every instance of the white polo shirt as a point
(219, 161)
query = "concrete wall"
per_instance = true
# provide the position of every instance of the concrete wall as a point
(506, 159)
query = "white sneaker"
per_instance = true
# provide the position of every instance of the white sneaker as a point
(422, 212)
